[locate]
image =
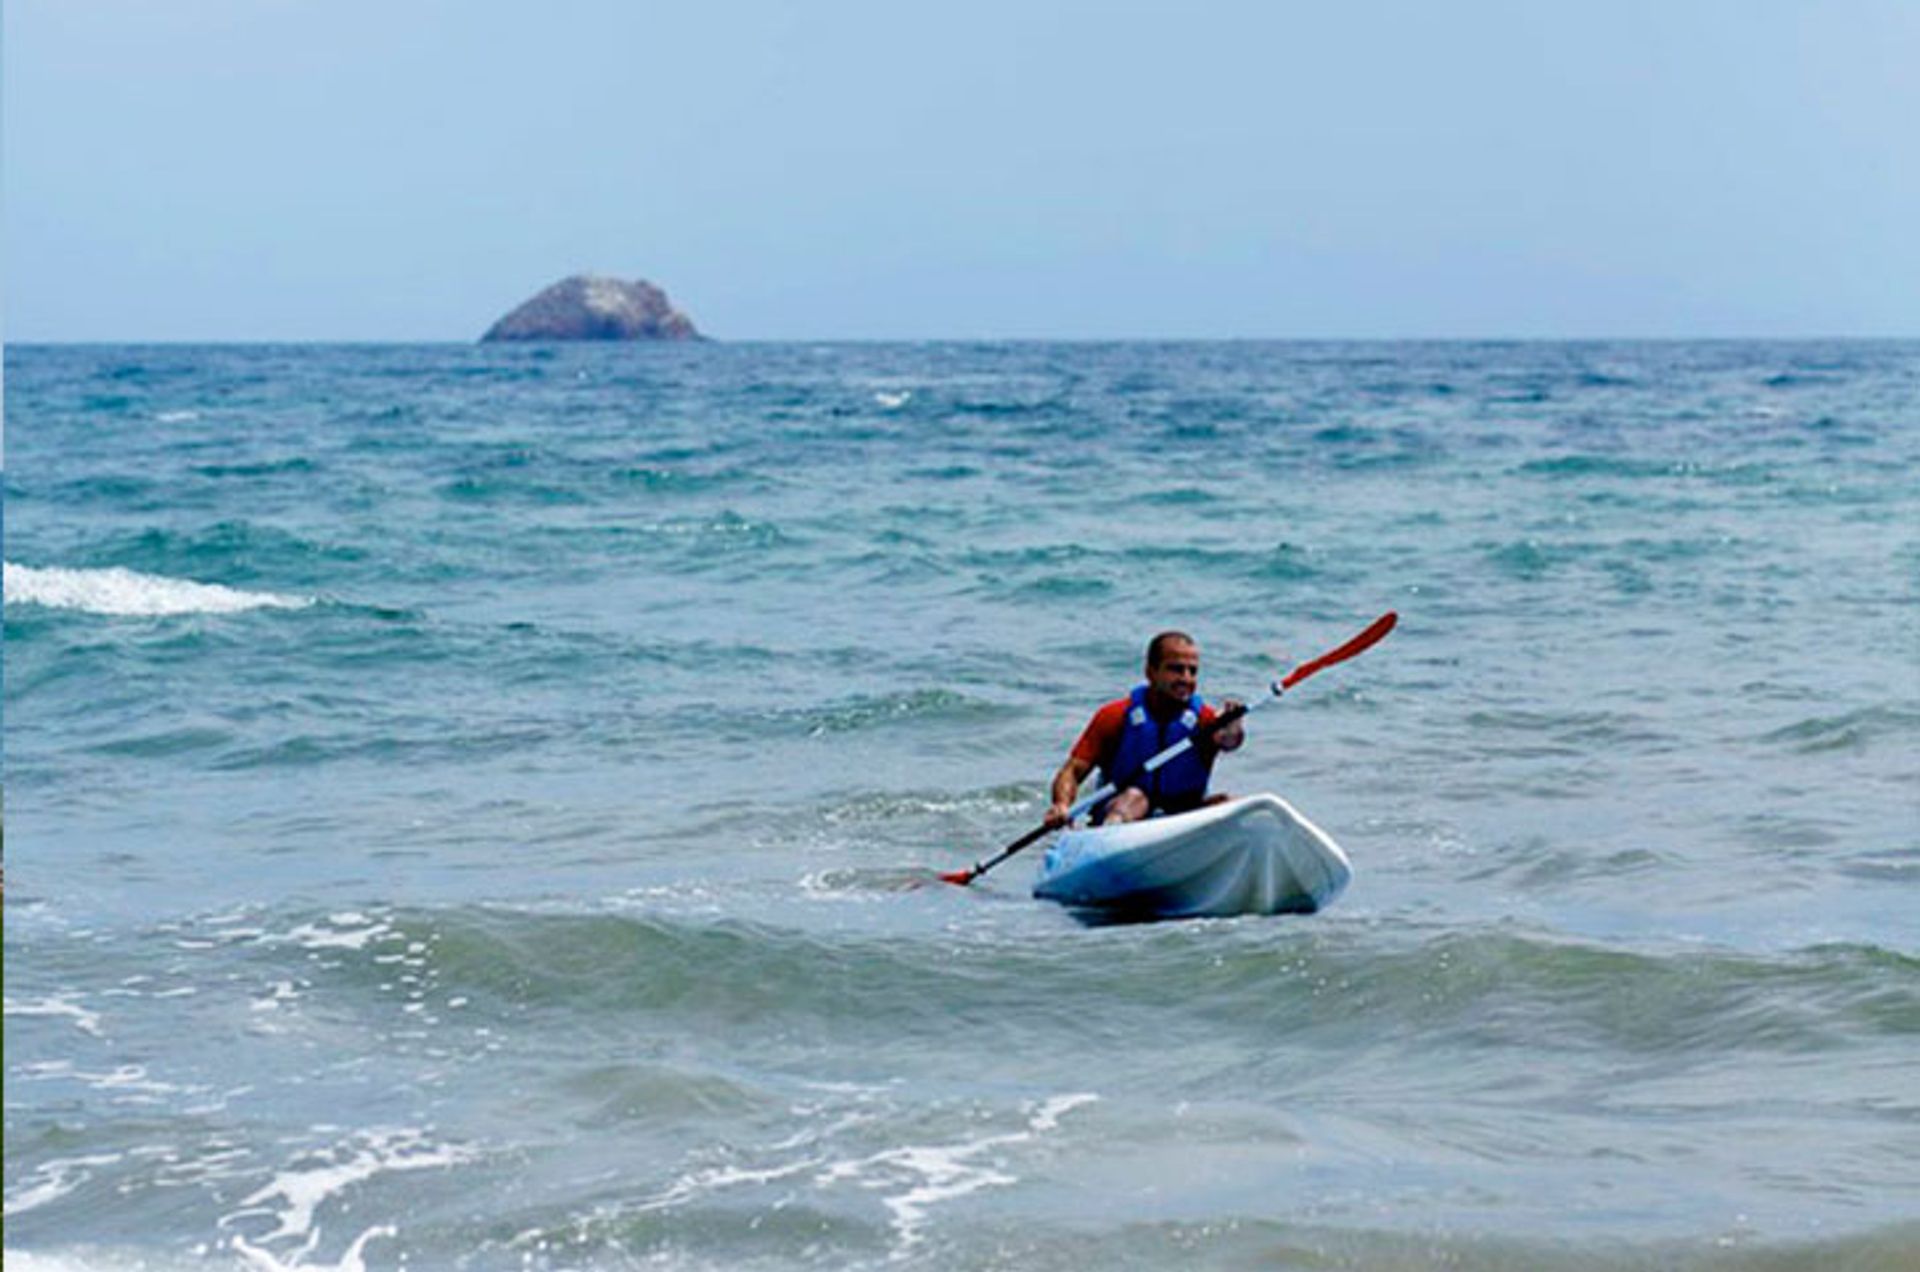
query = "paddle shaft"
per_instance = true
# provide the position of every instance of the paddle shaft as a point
(1374, 632)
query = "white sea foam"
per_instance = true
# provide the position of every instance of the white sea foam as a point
(346, 931)
(354, 1260)
(87, 1022)
(99, 1258)
(129, 1082)
(127, 593)
(928, 1174)
(912, 1178)
(933, 1173)
(51, 1181)
(70, 1261)
(1047, 1116)
(281, 992)
(293, 1198)
(699, 1182)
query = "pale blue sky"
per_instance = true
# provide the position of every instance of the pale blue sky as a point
(409, 169)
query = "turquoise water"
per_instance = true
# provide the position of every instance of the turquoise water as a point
(478, 807)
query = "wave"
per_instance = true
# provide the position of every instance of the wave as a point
(124, 593)
(297, 465)
(484, 490)
(235, 547)
(1853, 731)
(1496, 1054)
(1074, 571)
(1489, 988)
(714, 1217)
(1181, 497)
(870, 711)
(1063, 587)
(1585, 466)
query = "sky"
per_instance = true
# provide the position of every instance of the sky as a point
(411, 169)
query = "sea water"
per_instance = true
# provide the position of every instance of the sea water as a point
(480, 807)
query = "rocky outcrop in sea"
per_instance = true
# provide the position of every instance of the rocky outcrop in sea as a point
(592, 307)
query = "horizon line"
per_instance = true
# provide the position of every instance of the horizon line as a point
(707, 340)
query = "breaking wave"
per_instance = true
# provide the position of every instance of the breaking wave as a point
(127, 593)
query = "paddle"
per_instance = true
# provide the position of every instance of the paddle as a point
(1359, 644)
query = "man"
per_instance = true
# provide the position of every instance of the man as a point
(1127, 732)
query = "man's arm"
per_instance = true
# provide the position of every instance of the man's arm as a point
(1098, 739)
(1066, 788)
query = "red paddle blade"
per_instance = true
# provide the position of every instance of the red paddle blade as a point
(1359, 644)
(961, 877)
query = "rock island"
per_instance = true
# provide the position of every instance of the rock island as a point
(592, 307)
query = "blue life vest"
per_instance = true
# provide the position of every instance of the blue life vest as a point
(1177, 785)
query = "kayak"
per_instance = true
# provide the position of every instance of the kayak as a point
(1255, 855)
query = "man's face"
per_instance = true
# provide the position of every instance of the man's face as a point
(1177, 674)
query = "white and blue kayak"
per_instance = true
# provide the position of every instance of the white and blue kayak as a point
(1255, 855)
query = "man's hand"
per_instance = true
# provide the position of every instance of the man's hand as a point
(1057, 816)
(1230, 736)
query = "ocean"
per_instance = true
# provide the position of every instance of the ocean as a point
(480, 807)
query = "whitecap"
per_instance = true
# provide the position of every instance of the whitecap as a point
(927, 1175)
(127, 593)
(1047, 1116)
(51, 1181)
(350, 931)
(292, 1200)
(87, 1022)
